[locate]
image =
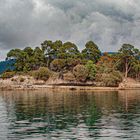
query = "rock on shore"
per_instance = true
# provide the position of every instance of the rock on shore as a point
(129, 83)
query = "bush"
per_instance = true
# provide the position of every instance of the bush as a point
(42, 74)
(7, 75)
(69, 77)
(54, 75)
(108, 76)
(91, 67)
(80, 72)
(109, 79)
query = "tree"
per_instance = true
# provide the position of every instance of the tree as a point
(68, 50)
(136, 69)
(91, 52)
(38, 58)
(57, 45)
(14, 53)
(127, 55)
(28, 51)
(72, 62)
(19, 56)
(27, 59)
(58, 65)
(51, 50)
(107, 60)
(48, 50)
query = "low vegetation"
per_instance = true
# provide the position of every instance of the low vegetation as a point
(69, 77)
(7, 75)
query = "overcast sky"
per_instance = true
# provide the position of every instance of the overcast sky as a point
(109, 23)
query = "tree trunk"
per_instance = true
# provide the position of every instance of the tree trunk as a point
(126, 70)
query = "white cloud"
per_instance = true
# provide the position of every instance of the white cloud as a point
(107, 22)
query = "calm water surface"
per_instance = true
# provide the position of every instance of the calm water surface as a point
(44, 115)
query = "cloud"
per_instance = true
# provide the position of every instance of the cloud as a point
(109, 23)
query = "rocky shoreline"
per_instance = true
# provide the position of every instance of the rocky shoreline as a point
(29, 83)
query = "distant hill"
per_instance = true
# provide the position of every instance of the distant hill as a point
(7, 65)
(110, 53)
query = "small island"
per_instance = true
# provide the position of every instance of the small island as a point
(59, 65)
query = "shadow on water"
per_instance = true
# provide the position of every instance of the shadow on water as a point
(74, 115)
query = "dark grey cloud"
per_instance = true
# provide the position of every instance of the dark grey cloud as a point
(107, 22)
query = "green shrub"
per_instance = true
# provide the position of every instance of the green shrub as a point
(7, 75)
(91, 67)
(80, 72)
(42, 74)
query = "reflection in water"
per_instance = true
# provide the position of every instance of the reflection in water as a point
(47, 115)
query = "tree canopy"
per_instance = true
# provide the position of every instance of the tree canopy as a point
(91, 52)
(127, 55)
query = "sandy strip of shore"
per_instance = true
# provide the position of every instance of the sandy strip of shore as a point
(65, 88)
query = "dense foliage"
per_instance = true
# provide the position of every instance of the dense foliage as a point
(80, 72)
(43, 73)
(92, 70)
(71, 64)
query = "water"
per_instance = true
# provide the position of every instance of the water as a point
(44, 115)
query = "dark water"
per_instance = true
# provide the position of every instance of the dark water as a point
(44, 115)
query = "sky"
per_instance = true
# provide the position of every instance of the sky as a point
(109, 23)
